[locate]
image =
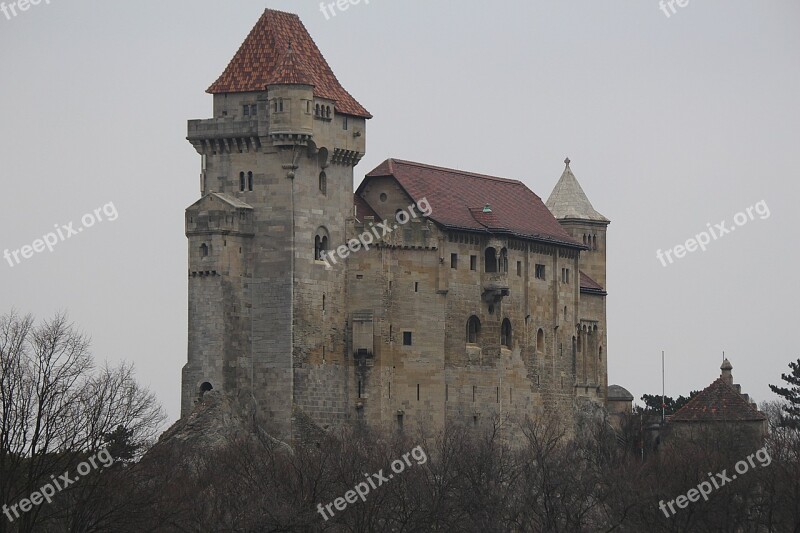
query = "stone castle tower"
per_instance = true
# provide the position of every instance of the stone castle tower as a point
(277, 173)
(487, 304)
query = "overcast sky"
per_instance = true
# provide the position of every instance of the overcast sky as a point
(671, 123)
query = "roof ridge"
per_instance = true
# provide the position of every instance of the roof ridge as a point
(270, 10)
(455, 171)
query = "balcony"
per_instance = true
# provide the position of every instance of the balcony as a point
(495, 286)
(224, 135)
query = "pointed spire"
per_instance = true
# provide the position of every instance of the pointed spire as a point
(568, 201)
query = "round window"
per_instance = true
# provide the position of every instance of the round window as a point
(383, 197)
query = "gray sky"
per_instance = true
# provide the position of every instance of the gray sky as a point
(671, 123)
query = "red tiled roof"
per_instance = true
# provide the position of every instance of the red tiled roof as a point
(363, 209)
(290, 70)
(457, 199)
(719, 402)
(590, 285)
(258, 61)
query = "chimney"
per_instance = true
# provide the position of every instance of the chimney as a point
(726, 374)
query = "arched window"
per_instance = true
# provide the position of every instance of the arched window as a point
(323, 183)
(328, 111)
(204, 388)
(540, 340)
(580, 344)
(241, 181)
(505, 333)
(204, 248)
(595, 242)
(584, 239)
(249, 181)
(504, 260)
(275, 106)
(473, 329)
(490, 260)
(316, 110)
(320, 244)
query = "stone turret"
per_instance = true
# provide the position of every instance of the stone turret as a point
(726, 374)
(291, 102)
(570, 205)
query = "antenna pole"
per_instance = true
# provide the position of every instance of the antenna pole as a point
(663, 389)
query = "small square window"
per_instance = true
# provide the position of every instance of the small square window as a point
(473, 262)
(565, 275)
(540, 272)
(406, 338)
(453, 260)
(254, 110)
(246, 110)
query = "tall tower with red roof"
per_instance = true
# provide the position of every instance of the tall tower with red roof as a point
(275, 191)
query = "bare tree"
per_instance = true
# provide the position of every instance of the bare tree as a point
(55, 410)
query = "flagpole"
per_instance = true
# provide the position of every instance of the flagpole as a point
(663, 389)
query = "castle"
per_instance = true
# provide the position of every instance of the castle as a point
(492, 304)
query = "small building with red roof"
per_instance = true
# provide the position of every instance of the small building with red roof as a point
(720, 406)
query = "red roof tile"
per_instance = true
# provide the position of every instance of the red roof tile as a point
(590, 285)
(290, 70)
(457, 199)
(260, 61)
(719, 402)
